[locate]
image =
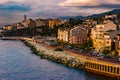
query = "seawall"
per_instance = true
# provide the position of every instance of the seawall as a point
(56, 56)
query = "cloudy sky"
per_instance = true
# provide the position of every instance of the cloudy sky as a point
(12, 11)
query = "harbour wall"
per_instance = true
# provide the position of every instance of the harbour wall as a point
(56, 56)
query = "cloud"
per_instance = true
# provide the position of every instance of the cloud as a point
(13, 10)
(92, 3)
(78, 3)
(89, 7)
(109, 6)
(14, 7)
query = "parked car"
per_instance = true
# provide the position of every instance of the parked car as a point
(68, 46)
(94, 53)
(82, 51)
(118, 59)
(100, 55)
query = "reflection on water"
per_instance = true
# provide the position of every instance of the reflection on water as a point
(18, 63)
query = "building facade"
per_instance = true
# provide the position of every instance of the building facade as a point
(40, 22)
(103, 35)
(75, 35)
(78, 35)
(53, 22)
(64, 35)
(109, 25)
(31, 23)
(8, 27)
(117, 44)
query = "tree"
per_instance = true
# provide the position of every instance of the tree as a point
(87, 45)
(106, 52)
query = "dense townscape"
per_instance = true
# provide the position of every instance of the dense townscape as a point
(96, 38)
(96, 35)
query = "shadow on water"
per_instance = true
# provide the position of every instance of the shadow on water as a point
(88, 75)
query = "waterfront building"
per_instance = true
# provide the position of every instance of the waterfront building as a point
(117, 44)
(78, 35)
(75, 35)
(103, 34)
(103, 68)
(97, 32)
(107, 40)
(64, 34)
(102, 43)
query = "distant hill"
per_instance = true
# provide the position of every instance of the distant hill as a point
(115, 11)
(68, 17)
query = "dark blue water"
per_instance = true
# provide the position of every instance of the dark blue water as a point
(18, 63)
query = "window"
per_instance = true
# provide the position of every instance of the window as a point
(100, 67)
(105, 68)
(107, 42)
(114, 69)
(118, 70)
(111, 69)
(108, 68)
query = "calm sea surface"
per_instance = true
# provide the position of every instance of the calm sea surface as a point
(18, 63)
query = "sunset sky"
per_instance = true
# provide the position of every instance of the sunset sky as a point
(13, 10)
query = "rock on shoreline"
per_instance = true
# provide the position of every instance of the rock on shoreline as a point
(55, 56)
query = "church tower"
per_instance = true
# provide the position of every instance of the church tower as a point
(25, 18)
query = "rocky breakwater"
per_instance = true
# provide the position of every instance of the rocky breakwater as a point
(56, 56)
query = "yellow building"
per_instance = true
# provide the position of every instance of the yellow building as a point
(101, 43)
(107, 40)
(98, 44)
(97, 32)
(8, 27)
(117, 44)
(51, 23)
(64, 35)
(101, 38)
(31, 23)
(54, 22)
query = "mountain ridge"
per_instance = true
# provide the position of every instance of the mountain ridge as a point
(115, 11)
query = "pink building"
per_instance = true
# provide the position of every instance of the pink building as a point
(78, 40)
(78, 35)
